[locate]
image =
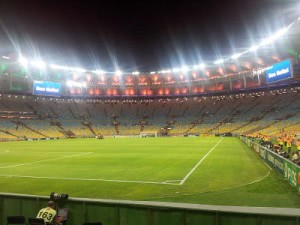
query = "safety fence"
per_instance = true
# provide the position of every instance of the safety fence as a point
(286, 168)
(121, 212)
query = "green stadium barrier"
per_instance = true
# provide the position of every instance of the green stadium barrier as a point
(292, 174)
(121, 212)
(273, 160)
(284, 167)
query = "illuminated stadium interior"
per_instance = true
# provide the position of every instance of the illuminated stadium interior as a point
(229, 115)
(214, 97)
(241, 71)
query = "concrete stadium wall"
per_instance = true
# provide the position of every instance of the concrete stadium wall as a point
(120, 212)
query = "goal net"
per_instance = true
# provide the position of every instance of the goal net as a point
(148, 134)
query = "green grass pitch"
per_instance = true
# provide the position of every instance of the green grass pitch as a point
(208, 170)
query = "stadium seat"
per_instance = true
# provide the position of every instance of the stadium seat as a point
(36, 221)
(16, 220)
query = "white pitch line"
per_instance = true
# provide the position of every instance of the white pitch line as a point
(37, 151)
(223, 189)
(201, 160)
(88, 179)
(45, 160)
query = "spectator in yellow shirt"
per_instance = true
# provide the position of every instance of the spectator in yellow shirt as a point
(48, 213)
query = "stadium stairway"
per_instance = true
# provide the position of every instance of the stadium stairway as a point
(244, 125)
(117, 129)
(195, 123)
(7, 132)
(53, 111)
(91, 129)
(29, 128)
(255, 129)
(58, 124)
(89, 113)
(169, 111)
(142, 127)
(72, 113)
(184, 111)
(32, 108)
(270, 124)
(292, 125)
(67, 133)
(215, 127)
(257, 101)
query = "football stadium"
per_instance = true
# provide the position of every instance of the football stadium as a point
(216, 142)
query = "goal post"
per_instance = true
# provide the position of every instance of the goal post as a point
(148, 134)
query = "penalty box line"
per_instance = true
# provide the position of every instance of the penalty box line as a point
(46, 160)
(199, 162)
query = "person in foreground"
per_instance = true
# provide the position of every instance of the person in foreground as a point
(48, 214)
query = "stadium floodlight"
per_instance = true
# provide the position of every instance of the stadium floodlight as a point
(281, 32)
(99, 72)
(202, 66)
(39, 64)
(253, 48)
(219, 61)
(135, 73)
(79, 70)
(271, 39)
(175, 70)
(119, 73)
(274, 37)
(236, 56)
(23, 61)
(267, 41)
(165, 71)
(71, 83)
(184, 69)
(152, 72)
(58, 67)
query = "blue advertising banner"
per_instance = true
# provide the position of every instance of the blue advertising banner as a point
(47, 88)
(279, 71)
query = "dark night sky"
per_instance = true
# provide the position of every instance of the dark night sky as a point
(141, 35)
